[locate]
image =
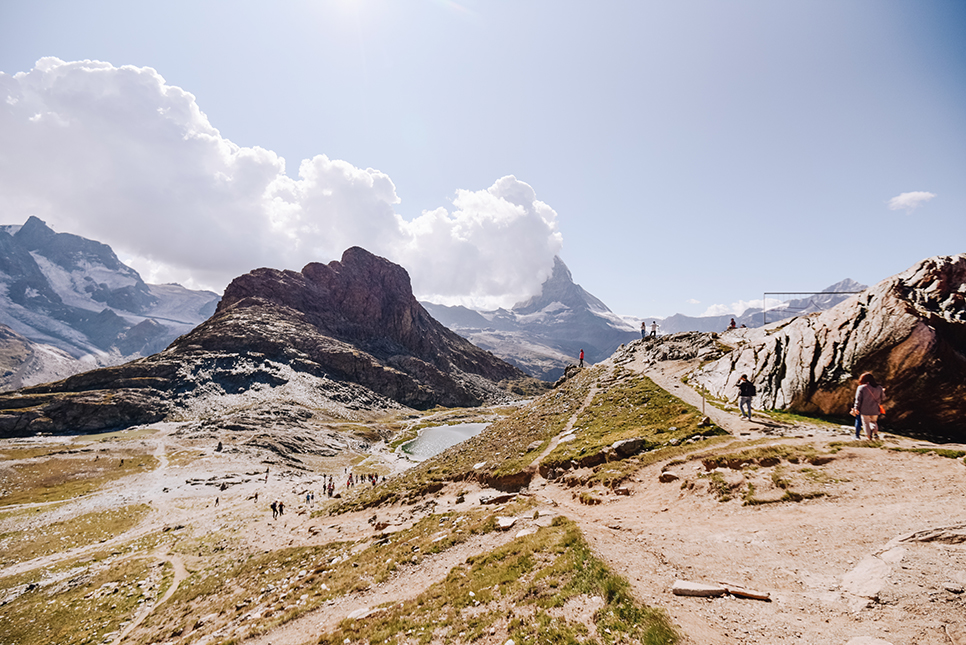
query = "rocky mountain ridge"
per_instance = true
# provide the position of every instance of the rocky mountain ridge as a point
(80, 307)
(343, 340)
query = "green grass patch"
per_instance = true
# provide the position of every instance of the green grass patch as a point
(519, 591)
(797, 418)
(29, 452)
(632, 407)
(117, 435)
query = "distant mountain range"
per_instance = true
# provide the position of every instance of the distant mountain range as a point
(67, 304)
(544, 334)
(826, 299)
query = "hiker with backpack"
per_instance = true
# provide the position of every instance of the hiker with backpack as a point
(746, 391)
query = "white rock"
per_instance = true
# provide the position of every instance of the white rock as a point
(504, 523)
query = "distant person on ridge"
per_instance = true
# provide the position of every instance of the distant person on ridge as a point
(746, 391)
(732, 325)
(643, 329)
(868, 403)
(581, 358)
(654, 327)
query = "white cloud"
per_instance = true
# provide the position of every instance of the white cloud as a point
(734, 309)
(692, 301)
(909, 201)
(117, 155)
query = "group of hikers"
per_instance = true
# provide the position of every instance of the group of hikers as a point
(867, 407)
(654, 328)
(328, 488)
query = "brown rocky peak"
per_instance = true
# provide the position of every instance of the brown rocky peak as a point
(361, 298)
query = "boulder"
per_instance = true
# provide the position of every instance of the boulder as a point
(909, 331)
(629, 447)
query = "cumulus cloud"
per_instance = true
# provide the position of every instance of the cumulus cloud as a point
(118, 155)
(735, 308)
(692, 301)
(909, 201)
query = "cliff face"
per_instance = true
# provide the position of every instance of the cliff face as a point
(347, 336)
(909, 331)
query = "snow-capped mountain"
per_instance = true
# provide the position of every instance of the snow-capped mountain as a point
(544, 334)
(80, 307)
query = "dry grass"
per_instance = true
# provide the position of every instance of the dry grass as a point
(519, 592)
(90, 528)
(242, 596)
(87, 602)
(71, 475)
(763, 474)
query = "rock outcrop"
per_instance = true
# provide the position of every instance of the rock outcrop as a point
(342, 339)
(909, 331)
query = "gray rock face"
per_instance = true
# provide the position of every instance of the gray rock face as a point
(908, 330)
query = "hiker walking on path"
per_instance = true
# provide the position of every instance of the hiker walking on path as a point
(581, 358)
(746, 391)
(274, 507)
(868, 403)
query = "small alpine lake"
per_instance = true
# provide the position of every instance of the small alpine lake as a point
(432, 441)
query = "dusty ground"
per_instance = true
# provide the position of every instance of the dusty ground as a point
(856, 566)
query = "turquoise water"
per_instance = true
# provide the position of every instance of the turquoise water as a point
(433, 441)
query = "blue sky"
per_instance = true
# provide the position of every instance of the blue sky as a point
(677, 155)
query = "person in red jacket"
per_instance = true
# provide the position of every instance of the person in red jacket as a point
(581, 358)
